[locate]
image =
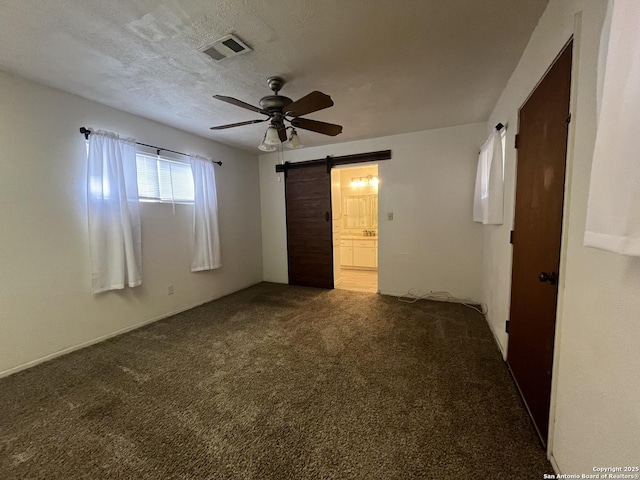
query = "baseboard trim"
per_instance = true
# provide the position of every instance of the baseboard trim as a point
(80, 346)
(554, 463)
(495, 338)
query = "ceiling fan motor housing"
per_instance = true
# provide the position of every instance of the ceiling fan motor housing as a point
(274, 103)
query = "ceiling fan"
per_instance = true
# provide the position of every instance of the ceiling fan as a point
(280, 109)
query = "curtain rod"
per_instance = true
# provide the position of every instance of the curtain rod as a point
(86, 132)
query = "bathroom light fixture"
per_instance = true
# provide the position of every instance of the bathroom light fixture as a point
(361, 182)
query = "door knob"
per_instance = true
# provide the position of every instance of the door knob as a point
(552, 278)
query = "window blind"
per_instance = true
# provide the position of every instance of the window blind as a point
(163, 180)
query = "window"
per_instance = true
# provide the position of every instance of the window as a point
(488, 203)
(163, 180)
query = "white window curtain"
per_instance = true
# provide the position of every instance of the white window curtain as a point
(206, 238)
(613, 211)
(488, 201)
(114, 217)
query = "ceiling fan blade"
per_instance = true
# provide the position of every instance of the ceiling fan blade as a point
(239, 103)
(282, 131)
(239, 124)
(316, 126)
(308, 104)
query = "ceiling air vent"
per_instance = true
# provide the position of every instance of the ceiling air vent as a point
(226, 47)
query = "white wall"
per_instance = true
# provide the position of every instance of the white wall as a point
(432, 243)
(596, 393)
(45, 297)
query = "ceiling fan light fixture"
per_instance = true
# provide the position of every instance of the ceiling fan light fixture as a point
(294, 141)
(265, 147)
(271, 136)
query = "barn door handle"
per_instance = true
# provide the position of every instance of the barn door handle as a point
(548, 277)
(327, 216)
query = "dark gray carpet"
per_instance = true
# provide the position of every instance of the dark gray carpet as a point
(276, 382)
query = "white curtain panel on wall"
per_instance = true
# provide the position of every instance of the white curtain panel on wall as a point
(114, 216)
(613, 211)
(206, 237)
(488, 200)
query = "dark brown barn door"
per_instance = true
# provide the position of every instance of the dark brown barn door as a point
(542, 150)
(309, 238)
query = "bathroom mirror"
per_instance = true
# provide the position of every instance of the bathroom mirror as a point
(360, 211)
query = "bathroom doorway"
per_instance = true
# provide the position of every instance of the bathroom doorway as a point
(354, 205)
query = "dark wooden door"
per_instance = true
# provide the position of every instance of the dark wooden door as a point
(542, 150)
(308, 204)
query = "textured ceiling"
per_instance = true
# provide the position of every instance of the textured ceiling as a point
(390, 66)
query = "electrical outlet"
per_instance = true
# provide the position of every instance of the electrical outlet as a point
(170, 290)
(390, 216)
